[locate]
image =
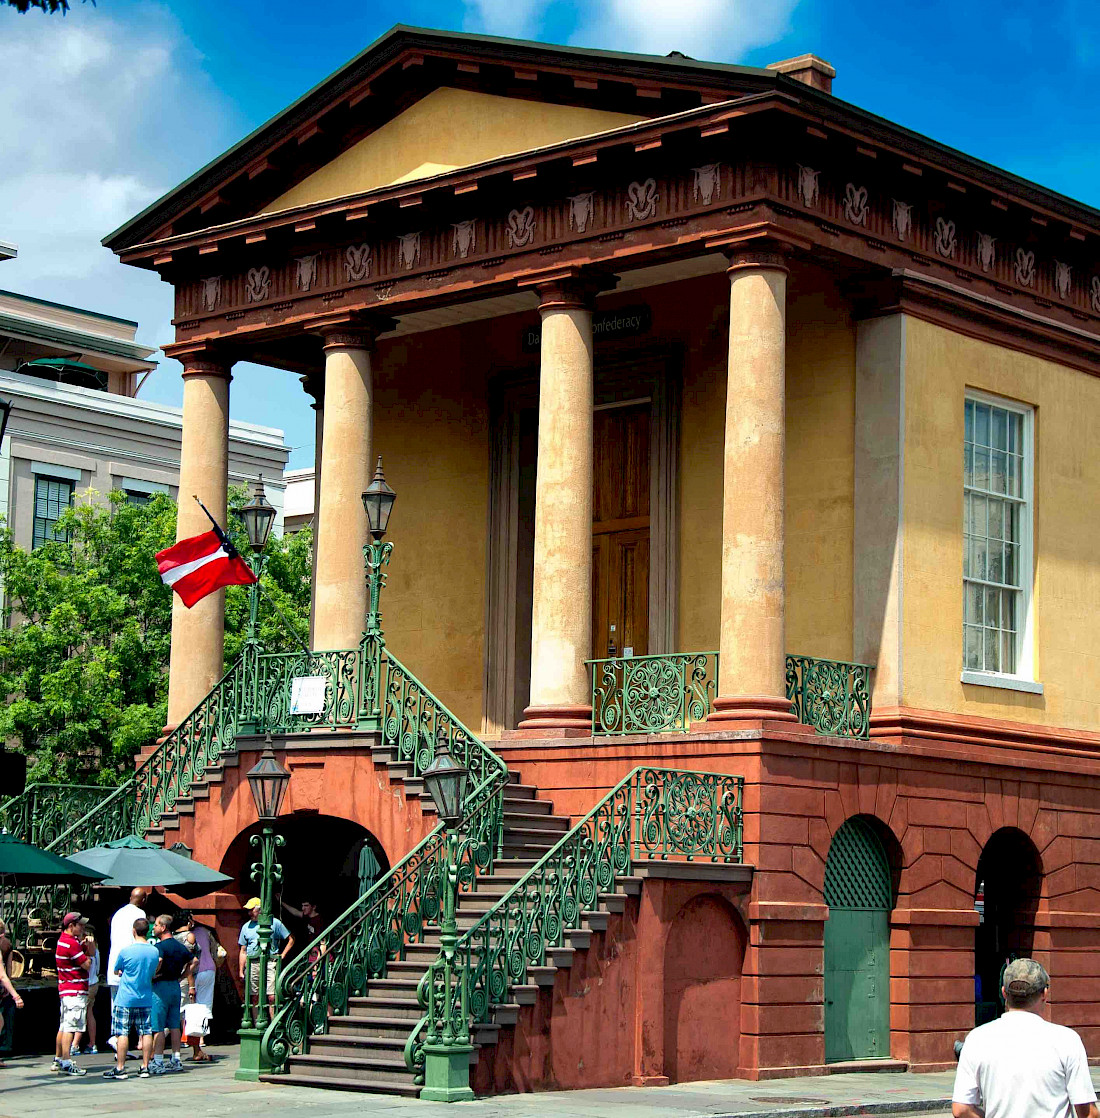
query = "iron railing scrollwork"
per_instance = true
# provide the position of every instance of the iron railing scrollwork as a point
(652, 694)
(394, 913)
(653, 813)
(831, 695)
(41, 812)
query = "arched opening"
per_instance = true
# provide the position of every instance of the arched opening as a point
(322, 862)
(861, 875)
(1008, 883)
(704, 954)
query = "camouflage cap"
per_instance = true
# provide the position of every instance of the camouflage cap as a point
(1024, 978)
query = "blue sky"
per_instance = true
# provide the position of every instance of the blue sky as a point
(111, 106)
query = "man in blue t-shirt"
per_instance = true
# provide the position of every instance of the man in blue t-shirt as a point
(282, 943)
(135, 965)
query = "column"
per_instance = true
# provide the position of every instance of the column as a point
(340, 590)
(561, 613)
(752, 651)
(197, 657)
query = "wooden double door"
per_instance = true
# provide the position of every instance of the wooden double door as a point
(621, 530)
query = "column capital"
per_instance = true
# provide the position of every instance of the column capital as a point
(201, 360)
(761, 246)
(351, 331)
(314, 385)
(571, 286)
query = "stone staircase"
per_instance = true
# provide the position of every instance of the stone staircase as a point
(363, 1050)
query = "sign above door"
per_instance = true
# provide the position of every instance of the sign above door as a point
(625, 322)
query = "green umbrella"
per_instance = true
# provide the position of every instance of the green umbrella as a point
(29, 865)
(131, 861)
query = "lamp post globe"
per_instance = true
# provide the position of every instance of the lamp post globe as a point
(258, 517)
(268, 780)
(378, 499)
(446, 779)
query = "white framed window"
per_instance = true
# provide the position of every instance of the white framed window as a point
(998, 467)
(52, 495)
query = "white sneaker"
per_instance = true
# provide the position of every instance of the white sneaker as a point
(74, 1051)
(174, 1064)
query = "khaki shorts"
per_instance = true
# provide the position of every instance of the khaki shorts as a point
(254, 977)
(74, 1013)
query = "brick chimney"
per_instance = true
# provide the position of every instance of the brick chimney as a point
(809, 69)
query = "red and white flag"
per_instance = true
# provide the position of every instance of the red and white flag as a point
(202, 564)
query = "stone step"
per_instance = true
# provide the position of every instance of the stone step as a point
(409, 968)
(389, 1008)
(377, 1028)
(340, 1083)
(358, 1045)
(377, 1069)
(393, 987)
(535, 822)
(526, 803)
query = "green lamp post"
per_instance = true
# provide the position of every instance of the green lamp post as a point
(268, 780)
(378, 499)
(258, 517)
(447, 1054)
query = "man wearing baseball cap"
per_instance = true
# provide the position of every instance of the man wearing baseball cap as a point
(282, 943)
(1022, 1066)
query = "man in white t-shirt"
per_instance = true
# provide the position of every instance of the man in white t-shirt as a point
(122, 933)
(1022, 1066)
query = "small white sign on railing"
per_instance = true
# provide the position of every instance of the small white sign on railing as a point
(307, 694)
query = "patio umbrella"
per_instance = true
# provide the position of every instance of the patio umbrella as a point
(29, 865)
(131, 861)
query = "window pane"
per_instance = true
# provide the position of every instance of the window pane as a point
(972, 648)
(996, 530)
(981, 522)
(973, 607)
(1012, 564)
(977, 559)
(998, 479)
(996, 563)
(981, 424)
(1008, 652)
(992, 651)
(1000, 429)
(968, 422)
(981, 467)
(968, 464)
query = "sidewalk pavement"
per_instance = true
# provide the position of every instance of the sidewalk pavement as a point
(30, 1089)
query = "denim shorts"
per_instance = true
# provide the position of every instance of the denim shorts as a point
(166, 1006)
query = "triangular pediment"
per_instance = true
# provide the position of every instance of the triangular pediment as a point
(447, 129)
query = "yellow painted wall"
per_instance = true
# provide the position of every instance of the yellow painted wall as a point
(819, 466)
(448, 128)
(432, 428)
(940, 366)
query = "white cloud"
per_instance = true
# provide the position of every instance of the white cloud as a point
(710, 30)
(100, 118)
(518, 19)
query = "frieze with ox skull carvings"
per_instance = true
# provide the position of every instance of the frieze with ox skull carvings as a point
(835, 201)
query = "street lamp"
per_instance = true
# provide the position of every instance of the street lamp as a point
(446, 1056)
(378, 499)
(258, 517)
(268, 780)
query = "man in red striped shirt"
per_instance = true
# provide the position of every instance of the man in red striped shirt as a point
(73, 965)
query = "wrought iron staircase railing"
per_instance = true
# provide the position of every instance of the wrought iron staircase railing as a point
(652, 814)
(41, 812)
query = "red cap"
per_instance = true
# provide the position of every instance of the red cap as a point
(73, 918)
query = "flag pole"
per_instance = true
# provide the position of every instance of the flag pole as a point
(271, 601)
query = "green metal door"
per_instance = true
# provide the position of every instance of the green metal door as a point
(859, 893)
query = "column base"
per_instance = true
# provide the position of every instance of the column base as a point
(447, 1073)
(566, 720)
(751, 708)
(649, 1081)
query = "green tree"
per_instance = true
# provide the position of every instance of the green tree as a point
(86, 636)
(51, 6)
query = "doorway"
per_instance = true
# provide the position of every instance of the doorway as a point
(859, 891)
(620, 529)
(1009, 882)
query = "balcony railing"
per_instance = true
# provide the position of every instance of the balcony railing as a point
(662, 694)
(831, 695)
(652, 694)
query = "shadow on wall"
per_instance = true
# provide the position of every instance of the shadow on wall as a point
(704, 955)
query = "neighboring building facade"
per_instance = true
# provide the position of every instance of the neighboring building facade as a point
(665, 357)
(77, 423)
